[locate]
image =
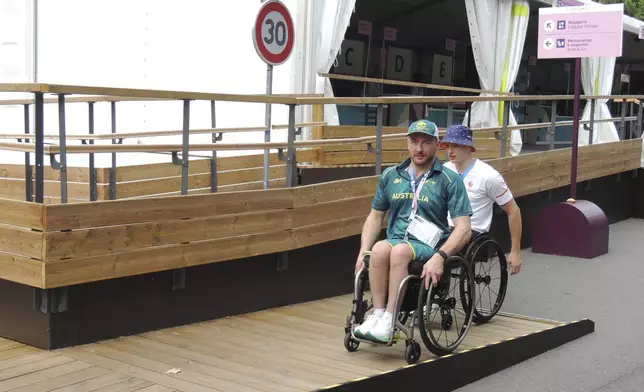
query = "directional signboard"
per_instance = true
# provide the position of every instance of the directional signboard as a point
(577, 32)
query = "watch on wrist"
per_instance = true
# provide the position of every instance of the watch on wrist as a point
(443, 255)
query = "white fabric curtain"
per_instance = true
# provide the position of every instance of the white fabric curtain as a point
(498, 31)
(597, 79)
(330, 19)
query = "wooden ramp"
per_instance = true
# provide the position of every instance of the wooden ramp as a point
(294, 348)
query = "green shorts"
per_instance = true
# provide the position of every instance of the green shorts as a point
(422, 251)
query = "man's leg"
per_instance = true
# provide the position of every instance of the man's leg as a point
(378, 275)
(379, 272)
(400, 256)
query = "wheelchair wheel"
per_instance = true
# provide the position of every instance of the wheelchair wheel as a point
(350, 343)
(412, 352)
(490, 270)
(442, 324)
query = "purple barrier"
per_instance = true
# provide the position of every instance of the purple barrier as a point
(572, 228)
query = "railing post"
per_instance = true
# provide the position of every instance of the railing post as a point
(92, 166)
(29, 181)
(215, 139)
(553, 125)
(267, 132)
(40, 147)
(185, 140)
(630, 122)
(504, 133)
(592, 121)
(63, 148)
(622, 129)
(639, 119)
(379, 115)
(291, 159)
(112, 180)
(450, 114)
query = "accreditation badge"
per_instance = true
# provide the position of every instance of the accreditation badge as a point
(424, 230)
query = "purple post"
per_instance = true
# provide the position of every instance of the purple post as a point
(575, 132)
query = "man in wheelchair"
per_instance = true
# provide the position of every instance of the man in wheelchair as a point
(418, 194)
(485, 186)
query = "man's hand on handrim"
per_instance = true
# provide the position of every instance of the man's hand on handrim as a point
(433, 269)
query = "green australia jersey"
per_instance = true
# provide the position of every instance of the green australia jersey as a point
(443, 191)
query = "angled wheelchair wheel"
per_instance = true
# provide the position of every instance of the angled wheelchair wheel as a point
(490, 270)
(442, 320)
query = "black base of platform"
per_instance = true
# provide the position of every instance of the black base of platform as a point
(455, 371)
(136, 304)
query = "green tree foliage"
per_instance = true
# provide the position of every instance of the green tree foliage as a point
(634, 8)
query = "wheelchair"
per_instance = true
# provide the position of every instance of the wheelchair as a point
(414, 304)
(487, 258)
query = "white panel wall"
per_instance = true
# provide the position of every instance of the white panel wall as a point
(192, 45)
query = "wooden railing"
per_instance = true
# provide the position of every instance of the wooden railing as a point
(51, 246)
(336, 145)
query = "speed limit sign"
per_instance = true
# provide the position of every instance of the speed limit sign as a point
(273, 33)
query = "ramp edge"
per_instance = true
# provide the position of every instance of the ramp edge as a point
(457, 370)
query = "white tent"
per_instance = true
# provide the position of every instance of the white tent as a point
(498, 30)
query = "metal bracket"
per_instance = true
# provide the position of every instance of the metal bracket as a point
(586, 127)
(178, 161)
(371, 149)
(298, 131)
(179, 279)
(120, 141)
(50, 301)
(281, 156)
(587, 186)
(618, 178)
(54, 163)
(635, 173)
(497, 136)
(282, 261)
(219, 137)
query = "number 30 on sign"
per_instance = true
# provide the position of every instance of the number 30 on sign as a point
(273, 33)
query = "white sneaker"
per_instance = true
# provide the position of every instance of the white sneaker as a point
(361, 330)
(382, 331)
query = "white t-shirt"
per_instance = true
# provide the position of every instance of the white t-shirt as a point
(485, 186)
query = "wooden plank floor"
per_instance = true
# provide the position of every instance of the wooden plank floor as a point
(294, 348)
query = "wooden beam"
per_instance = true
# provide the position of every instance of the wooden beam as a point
(91, 269)
(21, 270)
(20, 241)
(121, 212)
(327, 231)
(304, 196)
(125, 238)
(171, 184)
(21, 213)
(316, 213)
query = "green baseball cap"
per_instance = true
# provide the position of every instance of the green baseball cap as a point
(423, 126)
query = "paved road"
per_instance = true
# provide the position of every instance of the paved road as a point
(608, 290)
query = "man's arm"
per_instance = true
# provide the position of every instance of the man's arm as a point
(371, 229)
(500, 192)
(459, 237)
(460, 210)
(516, 226)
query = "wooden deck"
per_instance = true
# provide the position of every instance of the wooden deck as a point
(294, 348)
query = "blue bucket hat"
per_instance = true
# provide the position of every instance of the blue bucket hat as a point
(458, 134)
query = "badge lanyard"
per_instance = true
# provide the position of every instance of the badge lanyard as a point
(466, 172)
(415, 191)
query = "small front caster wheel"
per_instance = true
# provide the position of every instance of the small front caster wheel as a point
(412, 352)
(350, 343)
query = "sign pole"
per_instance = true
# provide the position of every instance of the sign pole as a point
(575, 133)
(576, 228)
(267, 132)
(273, 38)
